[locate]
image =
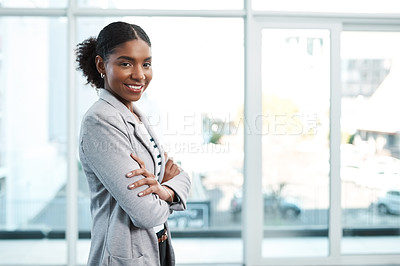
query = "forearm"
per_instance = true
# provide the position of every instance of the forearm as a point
(180, 186)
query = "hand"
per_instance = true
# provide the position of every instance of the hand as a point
(171, 169)
(149, 180)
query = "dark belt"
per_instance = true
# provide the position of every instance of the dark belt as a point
(163, 237)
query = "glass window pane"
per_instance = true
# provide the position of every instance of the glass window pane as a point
(195, 102)
(295, 141)
(370, 149)
(2, 112)
(33, 127)
(341, 6)
(33, 3)
(164, 4)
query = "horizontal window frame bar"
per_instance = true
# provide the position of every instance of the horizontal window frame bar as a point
(328, 15)
(377, 21)
(33, 12)
(90, 12)
(207, 233)
(98, 12)
(350, 21)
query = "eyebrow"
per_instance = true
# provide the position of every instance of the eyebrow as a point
(131, 59)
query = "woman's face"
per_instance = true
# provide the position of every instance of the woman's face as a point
(128, 71)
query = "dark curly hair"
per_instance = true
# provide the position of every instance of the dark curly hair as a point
(109, 38)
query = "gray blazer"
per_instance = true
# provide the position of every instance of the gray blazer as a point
(122, 230)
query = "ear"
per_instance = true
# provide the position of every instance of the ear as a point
(100, 64)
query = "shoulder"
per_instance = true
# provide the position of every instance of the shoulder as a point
(102, 110)
(102, 113)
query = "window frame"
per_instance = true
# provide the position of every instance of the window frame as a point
(254, 21)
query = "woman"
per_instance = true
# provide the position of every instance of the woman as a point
(133, 186)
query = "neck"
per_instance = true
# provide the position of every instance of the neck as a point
(131, 109)
(128, 105)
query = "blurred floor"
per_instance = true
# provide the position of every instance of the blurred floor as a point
(189, 251)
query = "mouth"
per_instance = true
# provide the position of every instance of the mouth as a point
(134, 88)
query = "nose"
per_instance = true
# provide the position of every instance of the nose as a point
(138, 74)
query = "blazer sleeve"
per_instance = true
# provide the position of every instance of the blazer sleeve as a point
(106, 148)
(180, 184)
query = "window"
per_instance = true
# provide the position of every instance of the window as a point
(2, 109)
(295, 141)
(370, 160)
(297, 147)
(33, 84)
(195, 102)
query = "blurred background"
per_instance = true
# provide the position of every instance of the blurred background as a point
(316, 84)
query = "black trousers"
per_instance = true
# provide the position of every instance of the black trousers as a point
(162, 247)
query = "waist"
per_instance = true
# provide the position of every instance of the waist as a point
(158, 228)
(162, 235)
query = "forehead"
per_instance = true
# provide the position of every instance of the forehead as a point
(135, 48)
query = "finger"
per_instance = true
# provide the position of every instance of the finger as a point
(177, 171)
(174, 167)
(145, 192)
(140, 171)
(169, 165)
(143, 182)
(138, 160)
(136, 172)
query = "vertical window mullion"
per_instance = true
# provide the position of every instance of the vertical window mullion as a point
(335, 213)
(72, 178)
(252, 198)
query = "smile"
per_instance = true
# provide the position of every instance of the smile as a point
(135, 88)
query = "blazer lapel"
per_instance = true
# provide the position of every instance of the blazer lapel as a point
(129, 117)
(143, 118)
(141, 139)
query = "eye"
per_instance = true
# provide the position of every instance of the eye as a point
(125, 64)
(147, 65)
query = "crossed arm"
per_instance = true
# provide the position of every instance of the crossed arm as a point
(163, 191)
(104, 152)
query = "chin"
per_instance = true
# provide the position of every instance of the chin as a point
(135, 99)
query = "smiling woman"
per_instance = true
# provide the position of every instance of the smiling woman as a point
(133, 187)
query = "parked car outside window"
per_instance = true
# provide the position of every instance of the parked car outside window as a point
(273, 204)
(389, 203)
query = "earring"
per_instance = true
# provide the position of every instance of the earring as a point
(102, 75)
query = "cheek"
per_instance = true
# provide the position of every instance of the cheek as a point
(149, 76)
(116, 75)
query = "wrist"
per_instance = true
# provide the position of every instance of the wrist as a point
(170, 197)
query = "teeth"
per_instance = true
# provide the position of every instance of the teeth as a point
(135, 87)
